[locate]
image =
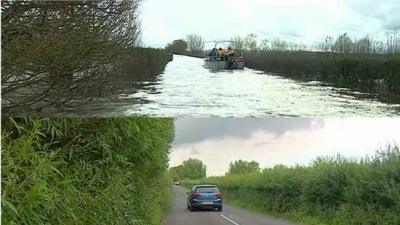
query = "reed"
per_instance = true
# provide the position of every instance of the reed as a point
(85, 170)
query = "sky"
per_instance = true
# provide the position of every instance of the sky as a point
(273, 141)
(300, 21)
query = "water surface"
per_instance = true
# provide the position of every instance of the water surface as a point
(188, 89)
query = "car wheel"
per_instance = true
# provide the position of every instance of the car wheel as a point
(219, 208)
(187, 206)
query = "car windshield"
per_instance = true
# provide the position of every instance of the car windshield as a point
(207, 189)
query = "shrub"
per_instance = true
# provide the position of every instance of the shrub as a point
(85, 170)
(330, 190)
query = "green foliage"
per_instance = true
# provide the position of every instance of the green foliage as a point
(177, 46)
(334, 191)
(176, 173)
(85, 170)
(190, 169)
(243, 167)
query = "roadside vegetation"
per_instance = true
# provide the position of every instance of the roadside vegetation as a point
(332, 191)
(62, 54)
(85, 171)
(190, 169)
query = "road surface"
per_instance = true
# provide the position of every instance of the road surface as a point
(230, 215)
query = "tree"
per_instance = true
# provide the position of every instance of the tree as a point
(343, 44)
(238, 43)
(264, 45)
(195, 42)
(251, 42)
(243, 167)
(192, 169)
(363, 45)
(61, 53)
(327, 45)
(177, 46)
(279, 45)
(176, 173)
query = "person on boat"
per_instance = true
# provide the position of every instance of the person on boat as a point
(214, 55)
(230, 52)
(222, 53)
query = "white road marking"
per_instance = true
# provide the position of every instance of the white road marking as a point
(229, 219)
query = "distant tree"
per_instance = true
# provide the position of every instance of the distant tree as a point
(264, 44)
(195, 42)
(278, 44)
(176, 172)
(392, 42)
(343, 44)
(192, 169)
(243, 167)
(327, 45)
(251, 42)
(363, 45)
(238, 43)
(177, 46)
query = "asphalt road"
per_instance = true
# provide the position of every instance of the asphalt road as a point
(230, 215)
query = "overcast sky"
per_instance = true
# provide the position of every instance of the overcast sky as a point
(272, 141)
(302, 21)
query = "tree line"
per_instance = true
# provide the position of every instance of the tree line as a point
(195, 169)
(343, 43)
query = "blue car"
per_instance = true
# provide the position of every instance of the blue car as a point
(204, 197)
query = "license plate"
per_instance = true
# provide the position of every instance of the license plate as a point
(207, 203)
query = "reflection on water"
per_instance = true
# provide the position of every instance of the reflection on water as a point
(188, 89)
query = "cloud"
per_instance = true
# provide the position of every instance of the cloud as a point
(298, 143)
(386, 12)
(191, 130)
(307, 21)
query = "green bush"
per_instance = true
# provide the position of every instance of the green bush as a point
(85, 170)
(330, 191)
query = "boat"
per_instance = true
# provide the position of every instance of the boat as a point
(231, 63)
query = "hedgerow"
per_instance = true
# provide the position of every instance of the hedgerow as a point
(85, 170)
(329, 191)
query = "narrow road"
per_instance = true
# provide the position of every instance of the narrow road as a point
(230, 215)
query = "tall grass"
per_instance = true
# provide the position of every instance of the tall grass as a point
(85, 170)
(329, 191)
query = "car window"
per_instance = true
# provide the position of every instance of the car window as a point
(207, 189)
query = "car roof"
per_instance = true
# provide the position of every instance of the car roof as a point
(205, 185)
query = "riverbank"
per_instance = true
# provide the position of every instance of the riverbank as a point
(378, 74)
(85, 171)
(121, 74)
(191, 54)
(331, 191)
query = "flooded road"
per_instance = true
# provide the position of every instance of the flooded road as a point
(186, 89)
